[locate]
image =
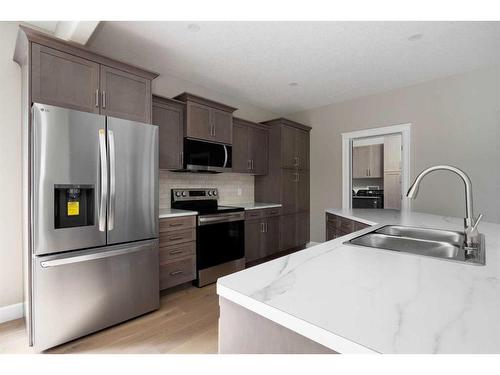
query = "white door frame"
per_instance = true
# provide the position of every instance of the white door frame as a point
(347, 138)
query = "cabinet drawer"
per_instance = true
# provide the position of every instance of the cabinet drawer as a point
(177, 223)
(177, 237)
(253, 214)
(169, 253)
(177, 272)
(271, 212)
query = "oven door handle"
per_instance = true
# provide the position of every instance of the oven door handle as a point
(220, 219)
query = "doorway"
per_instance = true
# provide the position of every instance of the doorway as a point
(375, 168)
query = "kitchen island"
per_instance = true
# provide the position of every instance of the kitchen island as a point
(341, 298)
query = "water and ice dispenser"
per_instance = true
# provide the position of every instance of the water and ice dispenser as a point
(73, 205)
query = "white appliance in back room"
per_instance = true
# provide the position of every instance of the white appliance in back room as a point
(93, 253)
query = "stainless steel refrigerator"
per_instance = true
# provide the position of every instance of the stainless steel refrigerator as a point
(93, 248)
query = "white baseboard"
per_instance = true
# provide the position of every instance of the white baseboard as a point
(310, 244)
(11, 312)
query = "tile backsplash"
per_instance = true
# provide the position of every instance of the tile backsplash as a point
(233, 188)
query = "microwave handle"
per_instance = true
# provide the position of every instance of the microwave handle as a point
(225, 156)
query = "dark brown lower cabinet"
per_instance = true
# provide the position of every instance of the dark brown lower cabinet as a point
(253, 233)
(262, 238)
(271, 237)
(262, 233)
(338, 226)
(294, 230)
(303, 228)
(177, 251)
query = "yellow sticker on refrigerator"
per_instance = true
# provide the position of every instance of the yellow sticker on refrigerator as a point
(73, 208)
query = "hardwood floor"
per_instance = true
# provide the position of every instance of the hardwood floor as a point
(186, 323)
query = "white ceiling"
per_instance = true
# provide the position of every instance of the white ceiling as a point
(330, 61)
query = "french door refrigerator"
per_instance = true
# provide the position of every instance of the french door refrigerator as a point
(93, 225)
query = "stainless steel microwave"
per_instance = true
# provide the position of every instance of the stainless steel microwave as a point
(206, 157)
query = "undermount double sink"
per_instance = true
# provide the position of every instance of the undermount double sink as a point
(443, 244)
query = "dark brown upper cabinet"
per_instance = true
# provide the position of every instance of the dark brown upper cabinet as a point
(295, 148)
(250, 147)
(168, 114)
(64, 80)
(69, 75)
(208, 120)
(125, 95)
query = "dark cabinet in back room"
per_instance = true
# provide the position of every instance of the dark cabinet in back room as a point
(250, 147)
(168, 114)
(207, 120)
(287, 181)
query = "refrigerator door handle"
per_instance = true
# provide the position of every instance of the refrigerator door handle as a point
(94, 256)
(112, 180)
(225, 155)
(104, 180)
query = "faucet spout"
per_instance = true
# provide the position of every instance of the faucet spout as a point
(469, 221)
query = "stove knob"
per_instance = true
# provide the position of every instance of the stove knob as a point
(177, 193)
(210, 193)
(184, 194)
(214, 192)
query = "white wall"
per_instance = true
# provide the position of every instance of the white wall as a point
(11, 291)
(455, 120)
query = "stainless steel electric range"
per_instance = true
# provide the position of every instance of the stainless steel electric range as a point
(220, 232)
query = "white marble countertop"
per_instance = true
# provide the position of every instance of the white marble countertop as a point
(166, 213)
(257, 205)
(356, 299)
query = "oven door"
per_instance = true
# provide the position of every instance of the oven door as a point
(219, 242)
(207, 156)
(367, 202)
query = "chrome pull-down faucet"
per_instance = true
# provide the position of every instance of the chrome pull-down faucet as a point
(470, 224)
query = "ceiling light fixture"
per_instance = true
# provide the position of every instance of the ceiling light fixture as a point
(293, 84)
(415, 37)
(193, 27)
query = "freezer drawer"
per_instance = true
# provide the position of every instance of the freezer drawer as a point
(82, 292)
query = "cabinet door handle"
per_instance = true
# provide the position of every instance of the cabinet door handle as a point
(182, 158)
(176, 273)
(262, 227)
(248, 165)
(97, 98)
(173, 252)
(252, 164)
(174, 224)
(175, 238)
(103, 99)
(266, 227)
